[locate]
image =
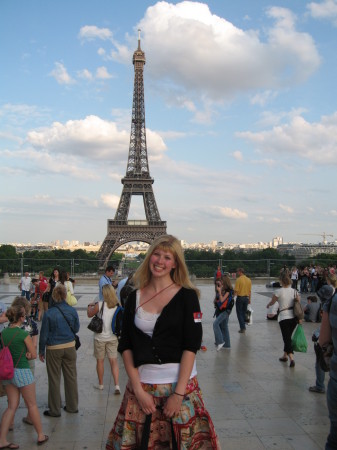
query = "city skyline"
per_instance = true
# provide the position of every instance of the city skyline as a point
(240, 116)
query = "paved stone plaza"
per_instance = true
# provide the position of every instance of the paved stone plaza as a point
(255, 401)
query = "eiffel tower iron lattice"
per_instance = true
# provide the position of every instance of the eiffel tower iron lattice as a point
(137, 180)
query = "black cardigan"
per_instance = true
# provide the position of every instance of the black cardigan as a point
(178, 328)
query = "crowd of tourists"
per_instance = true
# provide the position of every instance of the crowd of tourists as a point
(162, 406)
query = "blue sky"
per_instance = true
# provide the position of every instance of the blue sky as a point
(241, 117)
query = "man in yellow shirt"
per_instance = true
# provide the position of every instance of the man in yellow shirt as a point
(243, 291)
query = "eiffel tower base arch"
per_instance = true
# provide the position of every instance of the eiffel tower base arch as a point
(120, 233)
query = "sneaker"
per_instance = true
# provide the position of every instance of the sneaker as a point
(317, 390)
(117, 390)
(219, 347)
(242, 331)
(99, 386)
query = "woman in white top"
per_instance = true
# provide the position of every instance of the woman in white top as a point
(287, 321)
(162, 406)
(105, 343)
(294, 277)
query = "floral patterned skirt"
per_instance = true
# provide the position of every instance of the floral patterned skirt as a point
(193, 429)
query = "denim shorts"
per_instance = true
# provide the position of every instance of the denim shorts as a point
(22, 378)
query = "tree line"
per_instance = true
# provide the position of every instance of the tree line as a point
(201, 263)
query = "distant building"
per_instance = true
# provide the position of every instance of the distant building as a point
(276, 241)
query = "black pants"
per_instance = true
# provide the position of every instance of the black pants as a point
(287, 328)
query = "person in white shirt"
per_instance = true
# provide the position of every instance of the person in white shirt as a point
(25, 286)
(105, 343)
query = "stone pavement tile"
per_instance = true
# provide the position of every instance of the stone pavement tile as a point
(275, 426)
(262, 411)
(250, 397)
(251, 443)
(233, 428)
(319, 439)
(313, 423)
(289, 442)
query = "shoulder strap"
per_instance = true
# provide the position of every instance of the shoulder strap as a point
(9, 343)
(330, 301)
(4, 346)
(65, 319)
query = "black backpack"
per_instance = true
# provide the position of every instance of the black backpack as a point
(127, 289)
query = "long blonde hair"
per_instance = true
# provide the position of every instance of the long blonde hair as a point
(109, 296)
(179, 274)
(226, 282)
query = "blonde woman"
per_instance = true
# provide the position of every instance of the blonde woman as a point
(161, 334)
(105, 343)
(286, 297)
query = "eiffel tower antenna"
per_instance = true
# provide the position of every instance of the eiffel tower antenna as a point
(137, 180)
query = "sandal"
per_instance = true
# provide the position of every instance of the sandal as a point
(26, 421)
(10, 445)
(43, 441)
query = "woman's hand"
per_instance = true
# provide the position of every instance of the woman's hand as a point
(145, 401)
(28, 355)
(172, 405)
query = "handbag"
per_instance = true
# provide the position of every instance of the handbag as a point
(77, 339)
(96, 323)
(298, 340)
(298, 308)
(323, 355)
(6, 361)
(71, 299)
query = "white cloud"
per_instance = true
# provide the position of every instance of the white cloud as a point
(286, 208)
(316, 141)
(110, 200)
(41, 162)
(324, 10)
(85, 74)
(237, 155)
(222, 53)
(333, 212)
(229, 213)
(91, 32)
(61, 75)
(92, 138)
(262, 98)
(102, 73)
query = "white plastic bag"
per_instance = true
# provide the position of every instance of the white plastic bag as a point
(249, 314)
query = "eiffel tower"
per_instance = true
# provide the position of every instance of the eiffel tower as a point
(137, 180)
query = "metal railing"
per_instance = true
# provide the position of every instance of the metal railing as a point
(90, 267)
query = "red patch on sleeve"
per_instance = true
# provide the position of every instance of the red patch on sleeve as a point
(197, 316)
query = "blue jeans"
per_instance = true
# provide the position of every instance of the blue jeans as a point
(25, 294)
(320, 376)
(220, 328)
(304, 284)
(314, 283)
(241, 309)
(331, 443)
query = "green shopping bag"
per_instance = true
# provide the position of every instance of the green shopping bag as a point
(298, 340)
